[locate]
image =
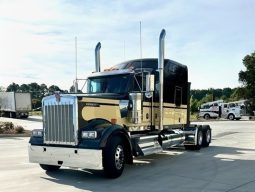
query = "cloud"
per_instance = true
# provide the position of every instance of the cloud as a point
(37, 37)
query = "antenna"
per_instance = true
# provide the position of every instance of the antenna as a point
(76, 83)
(141, 51)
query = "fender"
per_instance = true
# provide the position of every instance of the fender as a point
(113, 130)
(105, 130)
(117, 130)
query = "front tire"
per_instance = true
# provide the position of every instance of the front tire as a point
(231, 116)
(114, 157)
(49, 167)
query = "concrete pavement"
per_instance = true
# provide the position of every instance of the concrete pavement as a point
(226, 166)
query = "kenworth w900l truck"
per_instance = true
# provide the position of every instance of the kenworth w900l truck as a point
(136, 108)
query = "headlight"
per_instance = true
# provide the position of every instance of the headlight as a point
(37, 133)
(89, 134)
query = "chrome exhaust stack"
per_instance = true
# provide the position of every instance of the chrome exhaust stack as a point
(161, 75)
(97, 57)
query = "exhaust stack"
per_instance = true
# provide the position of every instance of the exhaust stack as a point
(161, 74)
(97, 57)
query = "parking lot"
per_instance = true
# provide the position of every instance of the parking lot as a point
(227, 165)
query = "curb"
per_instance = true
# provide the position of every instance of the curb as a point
(26, 134)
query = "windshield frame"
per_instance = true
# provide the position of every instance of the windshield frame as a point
(115, 87)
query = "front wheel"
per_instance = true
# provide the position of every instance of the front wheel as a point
(231, 116)
(49, 167)
(114, 157)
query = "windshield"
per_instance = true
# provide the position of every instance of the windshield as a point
(109, 84)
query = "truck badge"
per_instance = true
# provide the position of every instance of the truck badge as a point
(58, 97)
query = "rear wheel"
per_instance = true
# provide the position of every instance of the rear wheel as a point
(207, 136)
(12, 115)
(206, 116)
(114, 157)
(199, 142)
(49, 167)
(199, 139)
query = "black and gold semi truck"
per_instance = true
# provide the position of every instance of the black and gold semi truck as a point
(133, 109)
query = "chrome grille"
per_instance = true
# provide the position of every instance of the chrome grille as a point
(58, 124)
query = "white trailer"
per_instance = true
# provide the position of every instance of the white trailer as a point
(15, 104)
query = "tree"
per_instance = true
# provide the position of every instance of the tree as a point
(24, 88)
(247, 77)
(44, 90)
(13, 87)
(54, 88)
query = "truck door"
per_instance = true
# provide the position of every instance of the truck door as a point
(225, 110)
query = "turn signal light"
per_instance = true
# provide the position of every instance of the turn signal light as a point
(114, 121)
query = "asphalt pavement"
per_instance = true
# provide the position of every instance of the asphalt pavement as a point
(226, 166)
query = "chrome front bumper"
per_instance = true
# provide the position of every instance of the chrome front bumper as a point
(68, 157)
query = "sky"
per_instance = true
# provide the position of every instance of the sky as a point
(37, 38)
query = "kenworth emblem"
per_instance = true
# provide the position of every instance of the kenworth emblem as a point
(58, 97)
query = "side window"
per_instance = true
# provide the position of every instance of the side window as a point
(178, 96)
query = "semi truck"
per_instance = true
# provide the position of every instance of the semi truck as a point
(136, 108)
(15, 105)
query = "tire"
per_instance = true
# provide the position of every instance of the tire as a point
(12, 115)
(49, 167)
(199, 142)
(207, 116)
(207, 136)
(114, 157)
(231, 116)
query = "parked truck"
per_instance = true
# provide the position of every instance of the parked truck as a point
(219, 109)
(15, 105)
(136, 108)
(210, 109)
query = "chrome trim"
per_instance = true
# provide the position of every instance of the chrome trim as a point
(161, 74)
(60, 122)
(71, 157)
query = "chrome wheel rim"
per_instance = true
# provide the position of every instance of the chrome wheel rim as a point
(208, 136)
(119, 157)
(200, 138)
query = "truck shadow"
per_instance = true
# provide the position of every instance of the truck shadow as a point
(169, 169)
